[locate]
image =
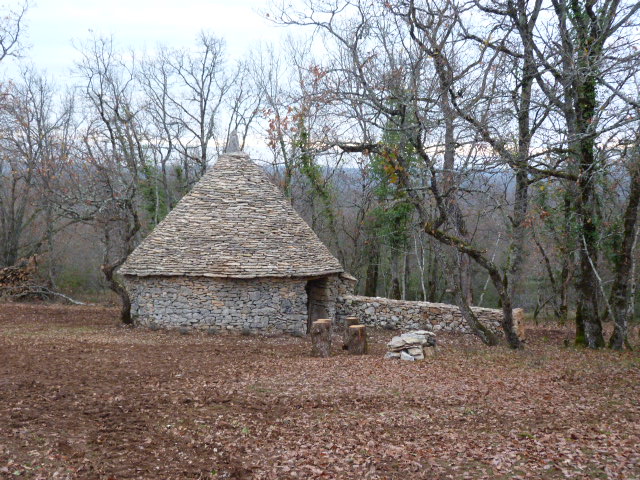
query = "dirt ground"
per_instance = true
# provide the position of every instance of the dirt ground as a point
(84, 398)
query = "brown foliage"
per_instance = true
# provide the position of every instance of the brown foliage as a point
(82, 397)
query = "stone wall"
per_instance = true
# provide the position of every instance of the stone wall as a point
(409, 315)
(339, 286)
(260, 305)
(275, 305)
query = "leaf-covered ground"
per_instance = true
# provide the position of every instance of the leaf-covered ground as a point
(83, 398)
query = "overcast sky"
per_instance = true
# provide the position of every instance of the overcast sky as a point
(53, 26)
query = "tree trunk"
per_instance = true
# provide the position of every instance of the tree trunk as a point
(396, 292)
(483, 333)
(348, 322)
(117, 287)
(525, 21)
(621, 288)
(588, 325)
(357, 340)
(406, 273)
(563, 311)
(634, 284)
(321, 338)
(120, 249)
(507, 325)
(582, 122)
(433, 277)
(567, 263)
(371, 282)
(51, 262)
(517, 246)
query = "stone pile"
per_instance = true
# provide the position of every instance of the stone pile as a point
(411, 346)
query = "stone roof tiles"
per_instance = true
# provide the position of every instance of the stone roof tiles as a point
(234, 223)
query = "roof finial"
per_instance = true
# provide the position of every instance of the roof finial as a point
(233, 145)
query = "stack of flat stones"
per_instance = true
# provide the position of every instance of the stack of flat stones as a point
(412, 346)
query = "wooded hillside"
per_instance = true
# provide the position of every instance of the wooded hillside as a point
(481, 153)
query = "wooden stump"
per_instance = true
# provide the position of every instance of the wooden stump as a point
(357, 342)
(348, 321)
(321, 338)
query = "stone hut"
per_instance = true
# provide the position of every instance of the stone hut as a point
(234, 255)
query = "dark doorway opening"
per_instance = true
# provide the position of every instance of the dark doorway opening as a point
(317, 300)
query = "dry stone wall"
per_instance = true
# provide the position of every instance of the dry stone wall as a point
(259, 305)
(410, 315)
(274, 305)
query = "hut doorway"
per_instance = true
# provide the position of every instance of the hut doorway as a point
(317, 300)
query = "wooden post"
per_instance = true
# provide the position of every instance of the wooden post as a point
(348, 321)
(357, 342)
(321, 337)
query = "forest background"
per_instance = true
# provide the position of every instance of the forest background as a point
(466, 152)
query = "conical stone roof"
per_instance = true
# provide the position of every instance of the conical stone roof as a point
(234, 223)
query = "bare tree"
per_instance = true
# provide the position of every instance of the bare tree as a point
(621, 301)
(156, 79)
(587, 47)
(391, 78)
(194, 103)
(32, 138)
(11, 30)
(297, 125)
(114, 156)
